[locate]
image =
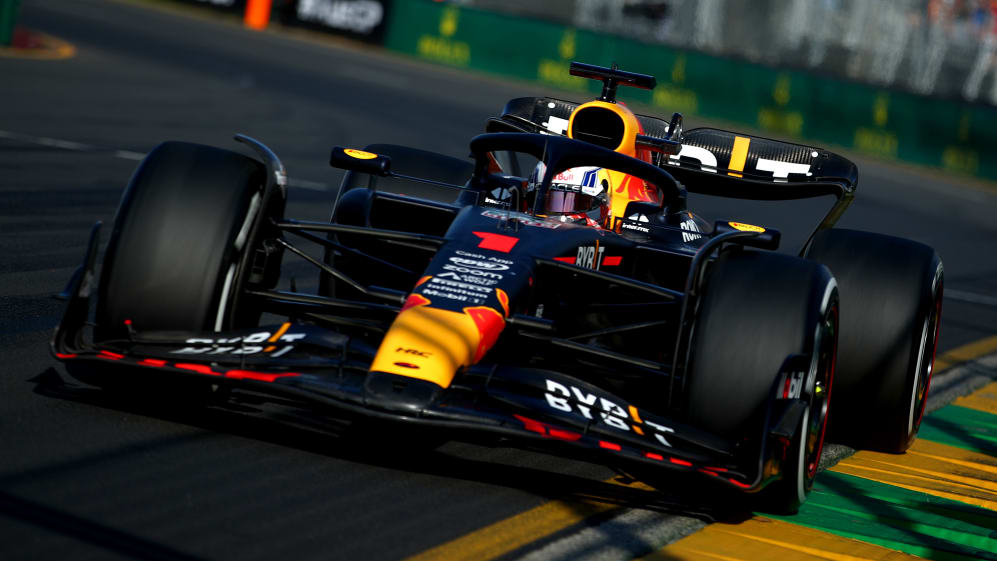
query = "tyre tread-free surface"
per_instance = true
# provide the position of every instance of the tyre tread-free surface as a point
(757, 309)
(888, 287)
(173, 239)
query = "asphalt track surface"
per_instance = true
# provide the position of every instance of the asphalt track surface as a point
(84, 475)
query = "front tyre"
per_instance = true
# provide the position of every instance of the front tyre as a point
(759, 310)
(179, 238)
(799, 470)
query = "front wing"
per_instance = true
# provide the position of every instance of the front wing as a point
(325, 369)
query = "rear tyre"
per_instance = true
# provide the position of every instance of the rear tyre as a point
(180, 235)
(891, 289)
(757, 310)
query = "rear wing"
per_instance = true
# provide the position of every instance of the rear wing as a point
(713, 161)
(724, 163)
(719, 153)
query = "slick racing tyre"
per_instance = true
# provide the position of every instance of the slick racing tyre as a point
(756, 311)
(353, 209)
(179, 237)
(891, 294)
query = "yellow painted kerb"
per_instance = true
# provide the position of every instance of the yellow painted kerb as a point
(763, 538)
(966, 353)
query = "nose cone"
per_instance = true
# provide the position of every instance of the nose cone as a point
(383, 390)
(432, 344)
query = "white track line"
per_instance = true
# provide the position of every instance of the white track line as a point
(970, 297)
(124, 154)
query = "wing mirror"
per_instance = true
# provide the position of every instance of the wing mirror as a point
(764, 238)
(358, 160)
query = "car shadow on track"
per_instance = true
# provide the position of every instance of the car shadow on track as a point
(383, 445)
(107, 538)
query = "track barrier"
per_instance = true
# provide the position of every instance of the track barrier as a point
(8, 20)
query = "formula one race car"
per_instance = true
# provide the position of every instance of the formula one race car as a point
(562, 296)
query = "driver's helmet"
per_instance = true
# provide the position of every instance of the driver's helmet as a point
(578, 195)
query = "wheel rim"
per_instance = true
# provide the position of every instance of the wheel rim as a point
(925, 363)
(820, 400)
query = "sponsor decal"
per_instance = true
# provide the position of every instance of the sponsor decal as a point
(489, 275)
(522, 219)
(556, 125)
(781, 170)
(566, 176)
(481, 257)
(359, 154)
(590, 256)
(636, 227)
(708, 161)
(746, 227)
(571, 399)
(445, 48)
(479, 264)
(413, 352)
(478, 280)
(456, 279)
(356, 16)
(689, 226)
(579, 180)
(791, 386)
(452, 286)
(260, 342)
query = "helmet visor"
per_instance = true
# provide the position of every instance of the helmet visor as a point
(568, 202)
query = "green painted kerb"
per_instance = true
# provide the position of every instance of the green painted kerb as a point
(946, 134)
(962, 427)
(909, 521)
(8, 20)
(896, 518)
